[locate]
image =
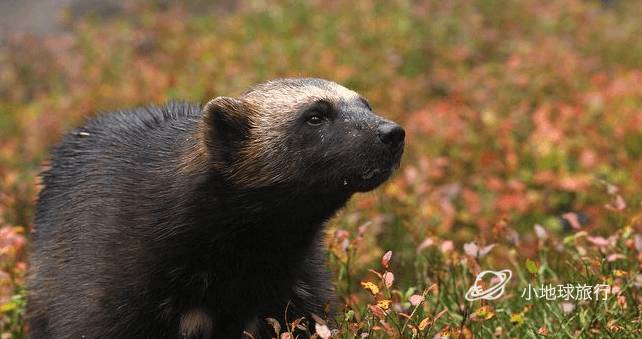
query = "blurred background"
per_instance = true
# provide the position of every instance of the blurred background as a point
(524, 147)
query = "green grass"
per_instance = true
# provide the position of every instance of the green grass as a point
(517, 113)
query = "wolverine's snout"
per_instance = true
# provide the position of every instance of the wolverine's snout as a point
(391, 134)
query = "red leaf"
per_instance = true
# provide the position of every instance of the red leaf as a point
(615, 256)
(573, 220)
(540, 231)
(598, 241)
(425, 244)
(323, 331)
(446, 246)
(385, 260)
(388, 279)
(416, 299)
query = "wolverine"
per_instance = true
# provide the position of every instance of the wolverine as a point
(189, 221)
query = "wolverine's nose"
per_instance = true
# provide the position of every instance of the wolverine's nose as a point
(391, 134)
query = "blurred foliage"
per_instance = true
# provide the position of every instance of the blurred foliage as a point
(517, 112)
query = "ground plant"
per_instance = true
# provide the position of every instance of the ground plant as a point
(523, 150)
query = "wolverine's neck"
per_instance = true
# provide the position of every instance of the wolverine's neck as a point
(279, 201)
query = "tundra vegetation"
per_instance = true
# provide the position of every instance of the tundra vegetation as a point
(524, 146)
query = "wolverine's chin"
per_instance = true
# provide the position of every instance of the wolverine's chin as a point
(369, 179)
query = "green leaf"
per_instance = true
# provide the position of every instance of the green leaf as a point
(531, 266)
(517, 318)
(8, 307)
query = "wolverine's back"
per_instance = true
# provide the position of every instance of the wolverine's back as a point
(103, 174)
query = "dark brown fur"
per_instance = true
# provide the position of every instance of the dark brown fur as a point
(189, 222)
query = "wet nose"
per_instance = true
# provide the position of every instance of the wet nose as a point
(391, 134)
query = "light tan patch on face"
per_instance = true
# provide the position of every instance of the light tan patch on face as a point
(344, 92)
(269, 110)
(196, 323)
(278, 103)
(279, 97)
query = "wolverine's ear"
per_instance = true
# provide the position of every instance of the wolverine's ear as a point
(226, 121)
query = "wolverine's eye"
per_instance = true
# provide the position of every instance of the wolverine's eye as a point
(314, 120)
(318, 113)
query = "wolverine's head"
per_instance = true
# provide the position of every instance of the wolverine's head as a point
(307, 133)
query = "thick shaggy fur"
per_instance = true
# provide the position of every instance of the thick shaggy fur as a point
(184, 221)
